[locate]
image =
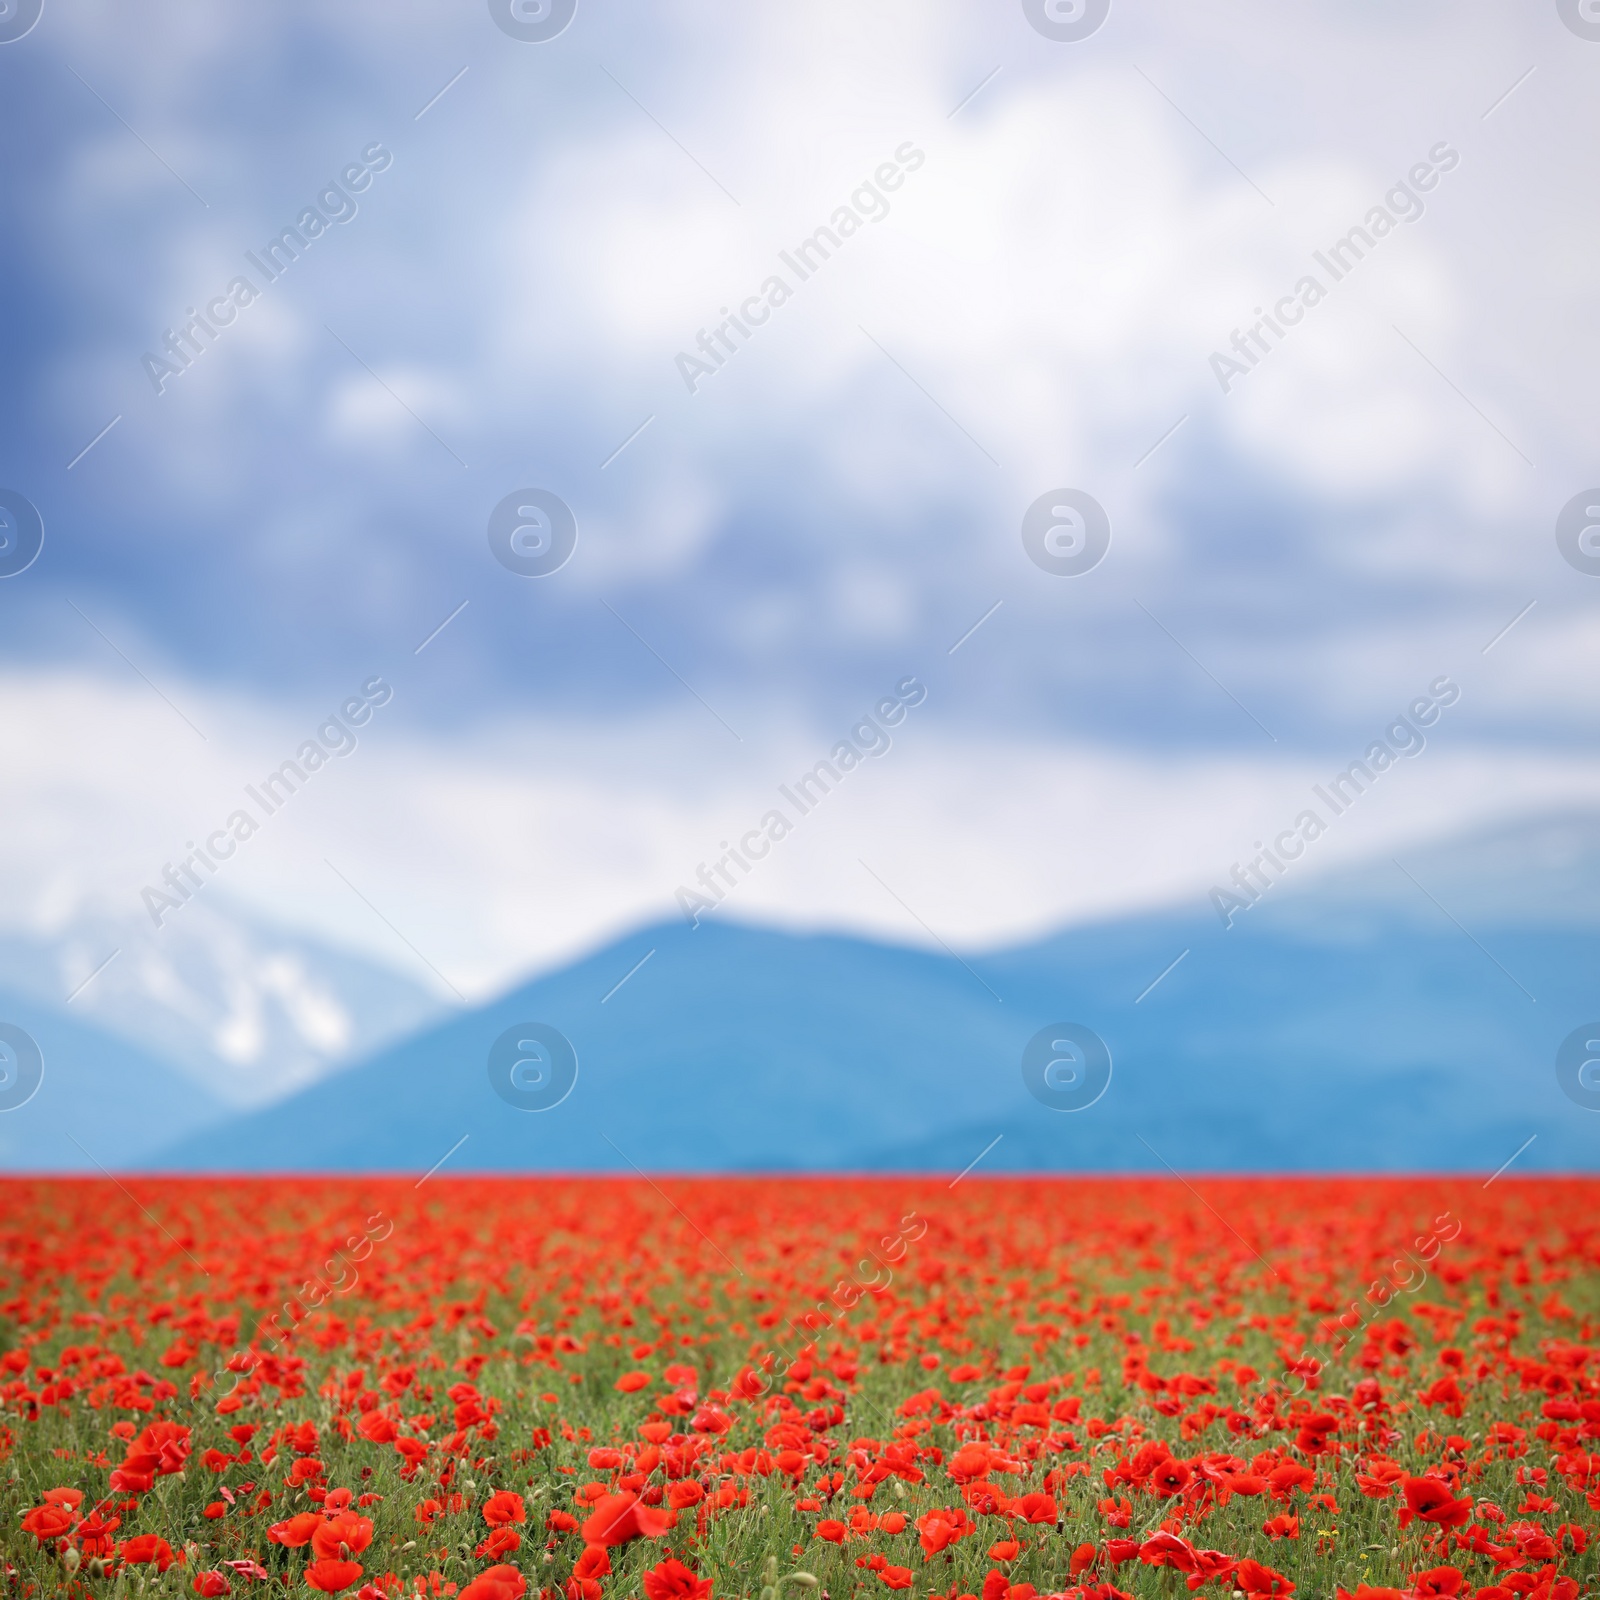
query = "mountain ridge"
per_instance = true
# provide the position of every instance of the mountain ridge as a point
(1384, 1041)
(244, 1009)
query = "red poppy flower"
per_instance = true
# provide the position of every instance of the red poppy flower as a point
(93, 1536)
(296, 1532)
(595, 1562)
(211, 1585)
(938, 1530)
(617, 1518)
(671, 1580)
(48, 1522)
(378, 1428)
(748, 1384)
(1208, 1566)
(344, 1534)
(1439, 1581)
(1256, 1579)
(498, 1583)
(148, 1549)
(985, 1498)
(1549, 1586)
(160, 1449)
(1533, 1543)
(1445, 1393)
(1034, 1508)
(331, 1575)
(1165, 1549)
(968, 1463)
(503, 1507)
(1431, 1501)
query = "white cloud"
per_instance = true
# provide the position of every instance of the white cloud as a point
(383, 407)
(1055, 276)
(486, 857)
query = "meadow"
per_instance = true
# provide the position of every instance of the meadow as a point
(786, 1388)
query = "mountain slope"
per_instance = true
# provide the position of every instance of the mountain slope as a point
(730, 1047)
(1335, 1027)
(243, 1008)
(102, 1101)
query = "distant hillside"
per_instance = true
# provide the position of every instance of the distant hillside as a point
(1342, 1024)
(244, 1009)
(102, 1101)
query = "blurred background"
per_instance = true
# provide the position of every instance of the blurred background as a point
(465, 467)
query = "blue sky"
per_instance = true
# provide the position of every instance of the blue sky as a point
(1291, 561)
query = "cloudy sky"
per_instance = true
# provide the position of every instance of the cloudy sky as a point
(533, 235)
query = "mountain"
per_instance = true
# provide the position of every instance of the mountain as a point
(1543, 873)
(102, 1102)
(241, 1008)
(1393, 1017)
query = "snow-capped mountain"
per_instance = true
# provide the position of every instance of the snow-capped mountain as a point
(247, 1010)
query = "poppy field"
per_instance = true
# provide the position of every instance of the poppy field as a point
(800, 1389)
